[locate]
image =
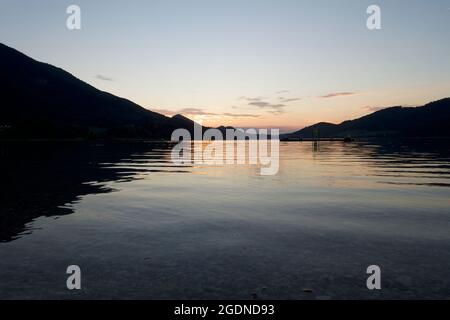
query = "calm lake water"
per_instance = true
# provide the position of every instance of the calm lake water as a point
(141, 227)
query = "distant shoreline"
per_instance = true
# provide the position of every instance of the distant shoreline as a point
(82, 140)
(133, 140)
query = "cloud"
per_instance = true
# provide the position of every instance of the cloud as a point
(104, 78)
(202, 112)
(270, 107)
(255, 99)
(165, 112)
(373, 109)
(196, 112)
(241, 115)
(282, 91)
(185, 111)
(337, 94)
(286, 100)
(265, 104)
(277, 112)
(262, 103)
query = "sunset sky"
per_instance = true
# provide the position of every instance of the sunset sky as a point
(246, 63)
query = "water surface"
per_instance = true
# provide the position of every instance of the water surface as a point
(141, 227)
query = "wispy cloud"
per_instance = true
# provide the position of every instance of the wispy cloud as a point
(277, 111)
(195, 112)
(337, 94)
(255, 99)
(104, 78)
(373, 108)
(165, 112)
(263, 103)
(282, 92)
(241, 115)
(287, 100)
(201, 112)
(270, 107)
(185, 111)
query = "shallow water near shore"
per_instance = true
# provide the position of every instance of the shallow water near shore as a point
(141, 227)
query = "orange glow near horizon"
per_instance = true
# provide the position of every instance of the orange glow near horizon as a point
(308, 111)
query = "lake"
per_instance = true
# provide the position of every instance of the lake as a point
(142, 227)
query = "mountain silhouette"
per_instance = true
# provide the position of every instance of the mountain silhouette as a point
(183, 119)
(430, 120)
(43, 101)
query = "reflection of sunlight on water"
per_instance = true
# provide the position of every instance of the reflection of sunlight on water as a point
(203, 162)
(340, 164)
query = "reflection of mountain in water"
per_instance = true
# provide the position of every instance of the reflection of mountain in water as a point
(40, 179)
